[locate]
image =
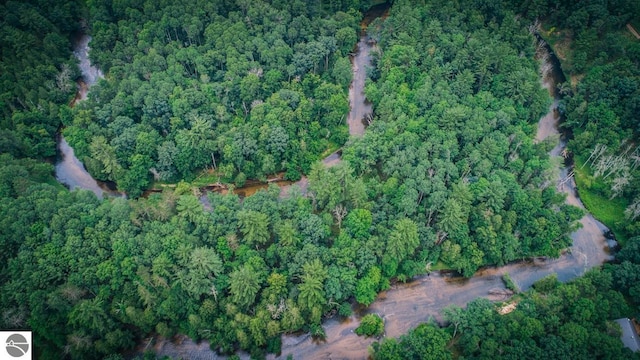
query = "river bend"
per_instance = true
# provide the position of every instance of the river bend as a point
(404, 306)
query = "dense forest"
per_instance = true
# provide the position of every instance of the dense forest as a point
(37, 74)
(457, 96)
(248, 89)
(447, 175)
(602, 106)
(552, 320)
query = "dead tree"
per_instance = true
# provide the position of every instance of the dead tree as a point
(619, 184)
(633, 211)
(339, 212)
(597, 151)
(565, 180)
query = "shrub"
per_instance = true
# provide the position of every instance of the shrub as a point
(371, 325)
(509, 283)
(345, 310)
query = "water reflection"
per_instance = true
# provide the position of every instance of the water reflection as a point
(90, 73)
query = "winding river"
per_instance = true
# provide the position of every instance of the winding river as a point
(404, 306)
(69, 170)
(361, 109)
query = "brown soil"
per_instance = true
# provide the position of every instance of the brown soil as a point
(575, 79)
(562, 48)
(636, 326)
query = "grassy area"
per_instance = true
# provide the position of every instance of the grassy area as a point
(205, 178)
(609, 212)
(159, 185)
(440, 266)
(560, 41)
(55, 183)
(333, 147)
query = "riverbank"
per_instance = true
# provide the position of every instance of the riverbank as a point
(361, 110)
(405, 306)
(69, 170)
(359, 116)
(209, 180)
(609, 211)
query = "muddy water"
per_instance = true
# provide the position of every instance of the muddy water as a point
(406, 306)
(69, 170)
(590, 240)
(285, 186)
(253, 188)
(361, 109)
(303, 183)
(90, 73)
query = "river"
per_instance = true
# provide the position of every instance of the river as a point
(404, 306)
(361, 111)
(69, 170)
